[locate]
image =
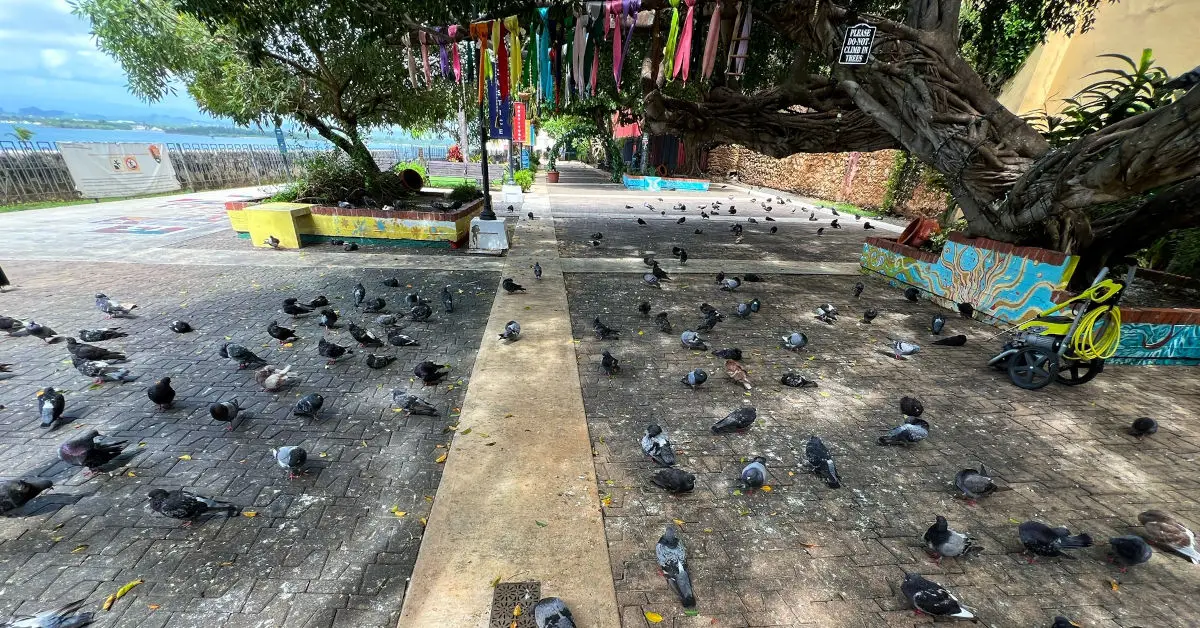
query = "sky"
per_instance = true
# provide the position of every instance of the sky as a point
(49, 60)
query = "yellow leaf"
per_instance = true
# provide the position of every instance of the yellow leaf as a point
(81, 548)
(708, 530)
(513, 624)
(737, 491)
(606, 500)
(541, 524)
(517, 610)
(399, 513)
(130, 474)
(142, 444)
(653, 617)
(424, 522)
(324, 454)
(641, 333)
(429, 499)
(1114, 585)
(465, 432)
(153, 607)
(1013, 521)
(57, 538)
(823, 393)
(678, 522)
(441, 459)
(228, 563)
(791, 473)
(120, 593)
(250, 513)
(766, 488)
(185, 457)
(496, 580)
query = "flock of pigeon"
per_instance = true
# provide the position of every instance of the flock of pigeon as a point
(95, 453)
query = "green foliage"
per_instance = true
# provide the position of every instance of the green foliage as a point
(893, 193)
(412, 165)
(1184, 248)
(535, 162)
(288, 193)
(21, 133)
(848, 208)
(1120, 94)
(465, 192)
(524, 178)
(937, 241)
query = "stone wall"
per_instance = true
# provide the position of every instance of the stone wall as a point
(858, 178)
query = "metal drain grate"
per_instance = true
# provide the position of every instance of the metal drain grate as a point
(505, 599)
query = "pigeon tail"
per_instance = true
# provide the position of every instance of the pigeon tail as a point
(1077, 541)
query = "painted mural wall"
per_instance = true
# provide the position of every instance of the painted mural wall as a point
(654, 184)
(1154, 343)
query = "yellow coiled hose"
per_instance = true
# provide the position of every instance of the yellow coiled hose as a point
(1085, 345)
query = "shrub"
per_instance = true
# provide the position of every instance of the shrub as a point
(454, 153)
(524, 178)
(535, 162)
(412, 165)
(288, 193)
(465, 192)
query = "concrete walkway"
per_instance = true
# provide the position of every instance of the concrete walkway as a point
(518, 499)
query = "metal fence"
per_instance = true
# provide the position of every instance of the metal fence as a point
(35, 171)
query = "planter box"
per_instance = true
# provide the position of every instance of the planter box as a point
(654, 184)
(317, 223)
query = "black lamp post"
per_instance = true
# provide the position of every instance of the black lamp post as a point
(487, 213)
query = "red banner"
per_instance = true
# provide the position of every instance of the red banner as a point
(520, 128)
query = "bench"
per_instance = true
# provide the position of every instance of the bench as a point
(470, 170)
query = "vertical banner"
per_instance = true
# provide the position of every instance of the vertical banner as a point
(519, 129)
(108, 170)
(499, 114)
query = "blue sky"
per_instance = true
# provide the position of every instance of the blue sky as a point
(48, 60)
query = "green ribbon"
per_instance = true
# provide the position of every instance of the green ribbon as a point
(672, 40)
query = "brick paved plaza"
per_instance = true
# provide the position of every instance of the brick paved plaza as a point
(328, 549)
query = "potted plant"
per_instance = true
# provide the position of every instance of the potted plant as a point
(551, 171)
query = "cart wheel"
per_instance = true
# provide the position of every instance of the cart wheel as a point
(1076, 372)
(1032, 368)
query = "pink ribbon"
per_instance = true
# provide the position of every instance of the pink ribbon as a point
(711, 43)
(578, 48)
(614, 10)
(454, 53)
(683, 53)
(425, 57)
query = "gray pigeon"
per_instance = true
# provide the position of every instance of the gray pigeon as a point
(695, 378)
(386, 320)
(365, 337)
(1043, 540)
(332, 351)
(92, 352)
(244, 356)
(932, 599)
(937, 323)
(692, 340)
(225, 412)
(663, 324)
(552, 612)
(672, 560)
(975, 484)
(902, 348)
(376, 305)
(18, 492)
(913, 430)
(420, 312)
(656, 445)
(447, 300)
(795, 341)
(609, 364)
(736, 421)
(537, 270)
(754, 474)
(112, 308)
(309, 405)
(512, 331)
(51, 404)
(400, 340)
(360, 295)
(1129, 550)
(943, 541)
(604, 332)
(63, 617)
(102, 371)
(674, 480)
(796, 380)
(292, 459)
(100, 335)
(85, 451)
(820, 461)
(412, 404)
(187, 506)
(379, 361)
(729, 284)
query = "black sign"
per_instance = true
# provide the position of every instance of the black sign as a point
(857, 46)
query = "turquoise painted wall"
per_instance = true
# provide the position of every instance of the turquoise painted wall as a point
(654, 184)
(1152, 343)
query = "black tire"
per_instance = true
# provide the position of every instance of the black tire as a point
(1033, 368)
(1076, 372)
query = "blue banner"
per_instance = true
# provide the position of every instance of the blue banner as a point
(499, 114)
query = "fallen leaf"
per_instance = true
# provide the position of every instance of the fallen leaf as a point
(441, 459)
(324, 454)
(424, 521)
(466, 431)
(791, 473)
(489, 444)
(541, 524)
(737, 491)
(609, 483)
(153, 607)
(429, 499)
(250, 513)
(1013, 521)
(228, 563)
(767, 488)
(57, 538)
(131, 474)
(653, 617)
(496, 580)
(185, 457)
(678, 522)
(142, 444)
(112, 599)
(399, 513)
(823, 393)
(517, 610)
(708, 530)
(641, 333)
(607, 499)
(81, 548)
(1114, 585)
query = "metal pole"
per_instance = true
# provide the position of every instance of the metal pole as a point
(487, 213)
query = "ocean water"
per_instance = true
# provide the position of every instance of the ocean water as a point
(47, 134)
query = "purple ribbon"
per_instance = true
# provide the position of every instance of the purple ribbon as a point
(447, 72)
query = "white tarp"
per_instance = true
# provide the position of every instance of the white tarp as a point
(109, 170)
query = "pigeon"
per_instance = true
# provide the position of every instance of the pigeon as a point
(92, 352)
(350, 246)
(62, 617)
(386, 320)
(834, 224)
(280, 333)
(1063, 622)
(338, 242)
(858, 289)
(867, 224)
(112, 308)
(377, 305)
(732, 353)
(99, 335)
(293, 309)
(244, 356)
(952, 341)
(644, 308)
(752, 277)
(412, 404)
(682, 219)
(742, 310)
(674, 480)
(695, 378)
(51, 404)
(835, 212)
(420, 312)
(379, 361)
(272, 379)
(161, 393)
(319, 301)
(736, 421)
(827, 313)
(796, 380)
(901, 349)
(752, 221)
(911, 406)
(537, 270)
(609, 364)
(9, 324)
(180, 327)
(413, 298)
(309, 405)
(821, 231)
(755, 305)
(730, 284)
(737, 373)
(1143, 427)
(32, 328)
(710, 321)
(512, 331)
(820, 461)
(328, 319)
(225, 412)
(937, 323)
(187, 506)
(649, 260)
(1129, 550)
(913, 430)
(812, 216)
(929, 597)
(650, 279)
(1043, 540)
(400, 340)
(656, 445)
(360, 294)
(364, 336)
(692, 340)
(102, 371)
(292, 459)
(683, 257)
(431, 373)
(770, 219)
(552, 612)
(18, 492)
(1165, 531)
(869, 315)
(391, 282)
(332, 351)
(966, 310)
(85, 451)
(795, 341)
(657, 271)
(857, 217)
(672, 560)
(272, 242)
(720, 278)
(975, 484)
(511, 286)
(660, 321)
(604, 332)
(774, 229)
(945, 542)
(912, 294)
(754, 474)
(641, 222)
(530, 214)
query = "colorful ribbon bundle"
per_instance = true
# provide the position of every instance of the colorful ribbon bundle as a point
(453, 31)
(683, 53)
(672, 40)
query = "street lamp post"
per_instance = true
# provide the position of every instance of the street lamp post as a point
(487, 213)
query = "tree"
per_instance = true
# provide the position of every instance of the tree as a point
(294, 60)
(21, 134)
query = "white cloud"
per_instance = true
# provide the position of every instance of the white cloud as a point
(54, 58)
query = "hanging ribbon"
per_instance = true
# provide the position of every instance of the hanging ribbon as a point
(683, 53)
(453, 31)
(556, 60)
(423, 36)
(615, 12)
(501, 39)
(632, 7)
(591, 60)
(480, 32)
(672, 41)
(412, 65)
(710, 45)
(579, 51)
(515, 62)
(545, 75)
(444, 55)
(741, 42)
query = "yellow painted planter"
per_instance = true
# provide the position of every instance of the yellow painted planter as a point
(291, 222)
